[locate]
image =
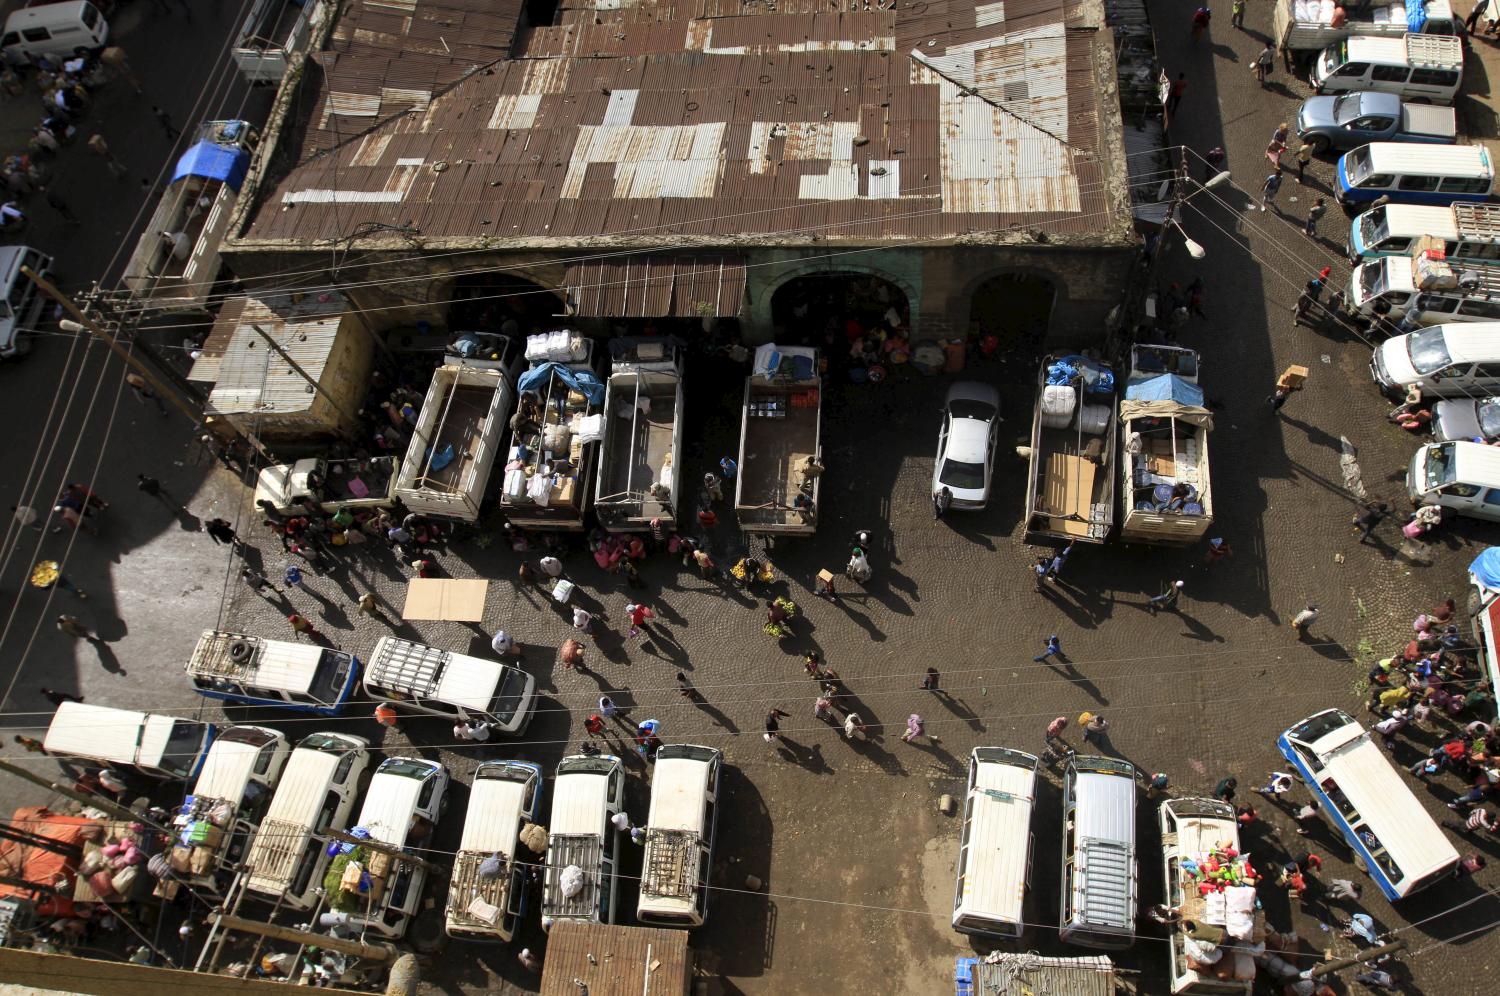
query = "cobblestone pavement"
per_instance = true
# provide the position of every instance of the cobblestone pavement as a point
(855, 860)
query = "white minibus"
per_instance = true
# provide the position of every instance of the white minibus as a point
(1098, 864)
(447, 684)
(582, 844)
(300, 677)
(213, 826)
(1191, 830)
(168, 747)
(1395, 841)
(1470, 233)
(505, 796)
(995, 846)
(317, 791)
(679, 849)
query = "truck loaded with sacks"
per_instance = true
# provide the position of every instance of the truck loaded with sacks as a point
(1070, 491)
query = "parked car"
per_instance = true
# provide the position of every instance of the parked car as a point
(1350, 120)
(1467, 419)
(966, 444)
(1444, 361)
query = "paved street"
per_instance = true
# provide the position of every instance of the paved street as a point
(855, 861)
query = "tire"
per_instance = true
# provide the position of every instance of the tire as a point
(1320, 144)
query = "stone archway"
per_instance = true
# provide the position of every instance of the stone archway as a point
(486, 301)
(1014, 306)
(807, 306)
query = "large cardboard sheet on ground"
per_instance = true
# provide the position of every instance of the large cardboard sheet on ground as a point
(445, 599)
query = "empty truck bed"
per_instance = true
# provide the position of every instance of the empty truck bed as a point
(633, 461)
(775, 449)
(463, 427)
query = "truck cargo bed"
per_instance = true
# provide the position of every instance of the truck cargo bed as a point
(464, 429)
(633, 462)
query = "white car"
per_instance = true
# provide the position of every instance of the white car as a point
(966, 444)
(1468, 419)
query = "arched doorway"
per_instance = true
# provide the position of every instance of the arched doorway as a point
(1015, 308)
(812, 308)
(485, 302)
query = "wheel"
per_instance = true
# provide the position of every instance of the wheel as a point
(1320, 144)
(1361, 864)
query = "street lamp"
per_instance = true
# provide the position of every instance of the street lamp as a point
(1181, 195)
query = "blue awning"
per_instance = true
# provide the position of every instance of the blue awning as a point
(1167, 387)
(214, 162)
(1486, 568)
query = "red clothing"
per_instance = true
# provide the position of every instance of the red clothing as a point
(640, 614)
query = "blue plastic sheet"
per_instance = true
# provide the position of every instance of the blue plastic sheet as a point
(215, 162)
(1167, 387)
(582, 381)
(1486, 568)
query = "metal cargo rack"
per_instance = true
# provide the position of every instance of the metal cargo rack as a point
(1108, 882)
(586, 851)
(671, 868)
(277, 849)
(1477, 220)
(411, 666)
(465, 885)
(225, 655)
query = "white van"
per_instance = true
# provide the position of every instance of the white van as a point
(1098, 864)
(679, 851)
(994, 851)
(1460, 475)
(443, 683)
(1394, 840)
(168, 747)
(1393, 281)
(213, 826)
(401, 810)
(317, 790)
(1470, 232)
(1191, 830)
(506, 796)
(21, 303)
(1416, 67)
(301, 677)
(582, 844)
(1445, 361)
(1404, 173)
(54, 30)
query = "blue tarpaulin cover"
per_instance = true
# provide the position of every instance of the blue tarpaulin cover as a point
(216, 162)
(582, 381)
(1416, 17)
(1167, 387)
(1486, 568)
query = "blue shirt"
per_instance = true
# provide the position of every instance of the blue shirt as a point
(1272, 184)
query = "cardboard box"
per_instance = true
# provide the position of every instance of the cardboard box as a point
(825, 575)
(1292, 377)
(181, 860)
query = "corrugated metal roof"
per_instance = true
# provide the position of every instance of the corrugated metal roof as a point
(616, 961)
(716, 118)
(656, 285)
(1026, 974)
(252, 378)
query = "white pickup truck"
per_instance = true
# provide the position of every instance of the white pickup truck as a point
(641, 454)
(1307, 25)
(335, 483)
(273, 32)
(1164, 483)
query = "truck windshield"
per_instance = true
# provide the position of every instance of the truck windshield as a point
(1357, 165)
(182, 748)
(1372, 280)
(1373, 228)
(1428, 351)
(1335, 56)
(1440, 466)
(508, 696)
(1489, 418)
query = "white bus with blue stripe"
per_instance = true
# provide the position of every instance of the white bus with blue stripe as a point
(1394, 840)
(232, 667)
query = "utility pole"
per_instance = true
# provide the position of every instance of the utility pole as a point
(353, 419)
(1370, 954)
(93, 327)
(96, 801)
(370, 952)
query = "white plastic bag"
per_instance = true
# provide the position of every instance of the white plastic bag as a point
(570, 881)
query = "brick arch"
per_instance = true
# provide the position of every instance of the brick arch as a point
(786, 273)
(1048, 278)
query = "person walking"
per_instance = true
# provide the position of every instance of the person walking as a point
(152, 488)
(386, 716)
(773, 725)
(551, 566)
(1278, 784)
(1475, 13)
(1218, 549)
(141, 388)
(222, 532)
(1270, 188)
(31, 744)
(1304, 157)
(914, 728)
(1053, 736)
(165, 120)
(571, 656)
(72, 626)
(1479, 819)
(1175, 92)
(1314, 215)
(369, 606)
(303, 627)
(713, 487)
(1156, 786)
(1469, 865)
(706, 566)
(930, 680)
(1167, 600)
(854, 727)
(1093, 728)
(728, 468)
(99, 147)
(504, 645)
(1053, 649)
(1369, 517)
(1237, 15)
(594, 725)
(685, 686)
(58, 698)
(1224, 791)
(1201, 17)
(640, 617)
(1213, 162)
(293, 577)
(942, 500)
(257, 583)
(1264, 63)
(1302, 620)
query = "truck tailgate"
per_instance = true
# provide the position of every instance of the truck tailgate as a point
(1426, 119)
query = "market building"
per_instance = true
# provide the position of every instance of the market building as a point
(672, 164)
